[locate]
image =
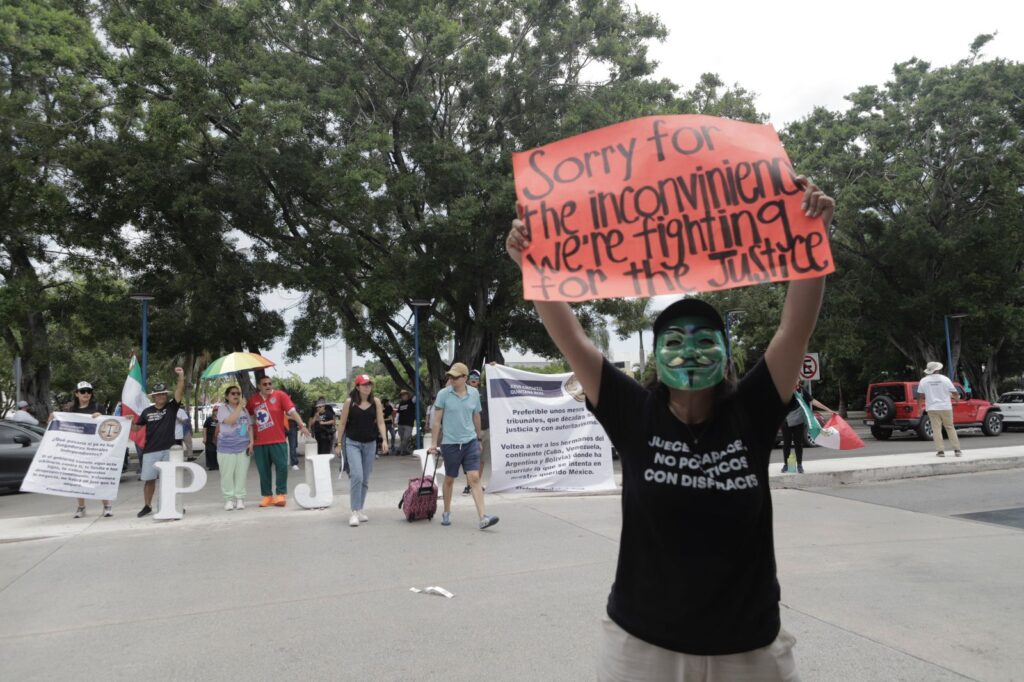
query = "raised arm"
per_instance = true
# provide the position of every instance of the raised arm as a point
(803, 303)
(561, 324)
(179, 388)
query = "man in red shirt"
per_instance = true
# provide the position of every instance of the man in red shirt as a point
(271, 410)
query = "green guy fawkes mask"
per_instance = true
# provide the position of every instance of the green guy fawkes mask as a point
(690, 354)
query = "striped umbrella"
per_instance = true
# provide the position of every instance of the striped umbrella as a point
(235, 362)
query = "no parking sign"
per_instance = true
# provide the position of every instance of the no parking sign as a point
(810, 369)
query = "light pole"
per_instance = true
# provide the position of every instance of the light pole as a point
(728, 324)
(145, 298)
(416, 305)
(949, 348)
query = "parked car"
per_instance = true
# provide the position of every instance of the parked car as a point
(1012, 406)
(892, 406)
(18, 445)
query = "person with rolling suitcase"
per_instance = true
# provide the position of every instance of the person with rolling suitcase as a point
(420, 498)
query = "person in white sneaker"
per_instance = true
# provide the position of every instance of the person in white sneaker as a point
(362, 421)
(937, 393)
(84, 404)
(456, 426)
(234, 447)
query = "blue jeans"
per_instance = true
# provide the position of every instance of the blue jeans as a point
(293, 446)
(360, 458)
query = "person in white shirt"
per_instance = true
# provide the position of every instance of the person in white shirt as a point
(22, 415)
(937, 393)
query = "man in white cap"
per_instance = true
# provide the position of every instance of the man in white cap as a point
(937, 393)
(22, 415)
(158, 419)
(456, 426)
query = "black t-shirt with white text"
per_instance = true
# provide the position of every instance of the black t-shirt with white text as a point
(159, 426)
(406, 412)
(696, 569)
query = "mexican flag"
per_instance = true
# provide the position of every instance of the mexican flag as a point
(134, 400)
(836, 434)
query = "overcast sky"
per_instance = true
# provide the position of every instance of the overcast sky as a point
(794, 59)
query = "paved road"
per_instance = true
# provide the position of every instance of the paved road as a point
(880, 582)
(902, 443)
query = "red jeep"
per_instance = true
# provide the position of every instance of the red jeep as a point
(892, 406)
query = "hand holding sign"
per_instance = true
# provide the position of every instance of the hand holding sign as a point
(665, 205)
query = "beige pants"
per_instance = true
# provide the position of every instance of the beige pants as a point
(625, 658)
(940, 418)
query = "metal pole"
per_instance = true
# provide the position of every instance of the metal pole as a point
(416, 327)
(145, 344)
(728, 337)
(949, 349)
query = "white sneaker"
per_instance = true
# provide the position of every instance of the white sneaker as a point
(363, 518)
(239, 503)
(353, 520)
(80, 512)
(229, 506)
(295, 467)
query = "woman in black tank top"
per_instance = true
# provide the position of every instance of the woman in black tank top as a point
(362, 421)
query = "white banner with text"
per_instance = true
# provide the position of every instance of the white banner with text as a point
(79, 456)
(542, 436)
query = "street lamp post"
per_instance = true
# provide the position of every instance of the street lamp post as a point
(949, 348)
(416, 305)
(728, 325)
(145, 298)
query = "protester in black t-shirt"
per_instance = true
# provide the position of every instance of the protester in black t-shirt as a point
(405, 411)
(323, 424)
(695, 591)
(389, 426)
(794, 427)
(210, 440)
(158, 419)
(84, 403)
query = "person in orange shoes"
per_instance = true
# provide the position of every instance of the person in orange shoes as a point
(271, 409)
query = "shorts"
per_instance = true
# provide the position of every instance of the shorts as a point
(149, 460)
(466, 455)
(625, 657)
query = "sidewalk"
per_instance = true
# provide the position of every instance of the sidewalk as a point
(844, 470)
(870, 592)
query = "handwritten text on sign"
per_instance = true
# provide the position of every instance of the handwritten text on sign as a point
(664, 205)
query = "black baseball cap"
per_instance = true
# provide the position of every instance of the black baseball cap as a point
(688, 307)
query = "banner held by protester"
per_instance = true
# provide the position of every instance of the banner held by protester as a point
(542, 436)
(79, 456)
(664, 205)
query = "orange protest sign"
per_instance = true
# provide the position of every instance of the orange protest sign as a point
(664, 205)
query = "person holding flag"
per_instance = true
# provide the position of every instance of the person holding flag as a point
(798, 421)
(158, 420)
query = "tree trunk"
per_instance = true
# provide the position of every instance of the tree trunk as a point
(32, 343)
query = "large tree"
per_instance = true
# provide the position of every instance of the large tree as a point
(366, 148)
(928, 174)
(53, 92)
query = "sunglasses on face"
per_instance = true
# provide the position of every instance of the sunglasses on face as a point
(85, 390)
(234, 393)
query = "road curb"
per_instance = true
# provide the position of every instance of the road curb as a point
(948, 466)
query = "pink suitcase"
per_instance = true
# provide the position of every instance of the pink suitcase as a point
(420, 498)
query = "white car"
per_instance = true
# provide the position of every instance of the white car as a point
(1012, 405)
